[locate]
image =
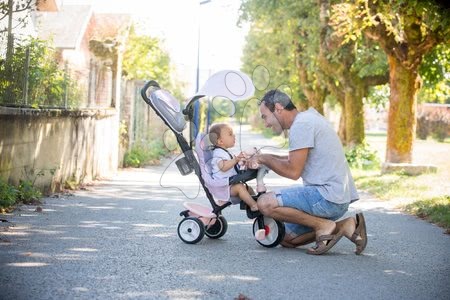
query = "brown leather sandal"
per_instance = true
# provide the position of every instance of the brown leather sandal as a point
(361, 232)
(325, 243)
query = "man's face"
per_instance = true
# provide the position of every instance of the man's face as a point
(271, 119)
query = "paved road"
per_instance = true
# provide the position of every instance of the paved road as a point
(118, 240)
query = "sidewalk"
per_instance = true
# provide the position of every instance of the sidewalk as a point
(118, 240)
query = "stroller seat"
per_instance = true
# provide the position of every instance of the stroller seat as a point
(203, 149)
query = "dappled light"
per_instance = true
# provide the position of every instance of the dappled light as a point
(143, 239)
(83, 249)
(395, 272)
(184, 294)
(27, 264)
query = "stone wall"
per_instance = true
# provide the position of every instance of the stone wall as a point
(75, 146)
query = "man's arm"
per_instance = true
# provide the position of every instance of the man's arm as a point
(290, 166)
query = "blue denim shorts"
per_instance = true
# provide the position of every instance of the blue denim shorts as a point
(309, 200)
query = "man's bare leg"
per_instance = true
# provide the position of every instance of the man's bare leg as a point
(296, 241)
(346, 226)
(268, 206)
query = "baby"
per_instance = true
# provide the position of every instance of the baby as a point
(226, 165)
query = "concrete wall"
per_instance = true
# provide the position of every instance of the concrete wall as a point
(78, 145)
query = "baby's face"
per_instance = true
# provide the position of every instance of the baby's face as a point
(227, 138)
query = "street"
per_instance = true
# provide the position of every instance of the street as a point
(117, 239)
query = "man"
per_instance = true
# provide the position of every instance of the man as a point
(315, 154)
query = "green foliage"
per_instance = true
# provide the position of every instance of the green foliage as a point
(362, 157)
(435, 65)
(378, 97)
(370, 60)
(278, 31)
(48, 83)
(145, 59)
(416, 17)
(28, 193)
(8, 194)
(141, 154)
(435, 73)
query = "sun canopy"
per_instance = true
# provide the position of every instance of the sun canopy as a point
(230, 84)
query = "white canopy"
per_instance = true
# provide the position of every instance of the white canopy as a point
(230, 84)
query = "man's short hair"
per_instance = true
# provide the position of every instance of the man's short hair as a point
(277, 96)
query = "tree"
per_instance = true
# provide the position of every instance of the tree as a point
(144, 59)
(322, 66)
(284, 44)
(7, 9)
(406, 30)
(351, 69)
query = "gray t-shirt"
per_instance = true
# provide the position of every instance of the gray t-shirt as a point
(326, 166)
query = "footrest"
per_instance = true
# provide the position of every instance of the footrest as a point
(199, 210)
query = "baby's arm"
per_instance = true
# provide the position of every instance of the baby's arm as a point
(225, 165)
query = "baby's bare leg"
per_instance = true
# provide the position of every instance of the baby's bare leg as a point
(241, 191)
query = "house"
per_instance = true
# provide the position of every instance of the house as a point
(77, 34)
(69, 145)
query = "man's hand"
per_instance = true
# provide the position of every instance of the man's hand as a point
(290, 166)
(253, 161)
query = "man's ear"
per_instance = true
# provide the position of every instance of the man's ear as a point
(278, 106)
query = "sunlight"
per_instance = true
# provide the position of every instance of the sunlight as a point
(16, 233)
(393, 272)
(36, 254)
(245, 278)
(215, 277)
(163, 235)
(100, 207)
(83, 249)
(184, 293)
(27, 264)
(46, 232)
(149, 225)
(80, 289)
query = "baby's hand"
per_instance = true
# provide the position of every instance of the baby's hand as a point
(253, 163)
(241, 159)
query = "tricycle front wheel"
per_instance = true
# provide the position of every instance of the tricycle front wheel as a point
(274, 231)
(191, 230)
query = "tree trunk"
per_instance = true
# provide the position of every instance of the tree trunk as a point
(404, 85)
(316, 99)
(354, 116)
(341, 129)
(313, 89)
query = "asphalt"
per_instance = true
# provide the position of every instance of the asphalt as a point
(117, 239)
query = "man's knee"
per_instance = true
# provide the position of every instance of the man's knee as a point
(266, 203)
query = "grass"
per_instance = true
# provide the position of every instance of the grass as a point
(426, 196)
(436, 210)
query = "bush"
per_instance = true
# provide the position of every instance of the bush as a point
(8, 194)
(362, 157)
(423, 128)
(439, 126)
(48, 83)
(434, 122)
(27, 193)
(141, 155)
